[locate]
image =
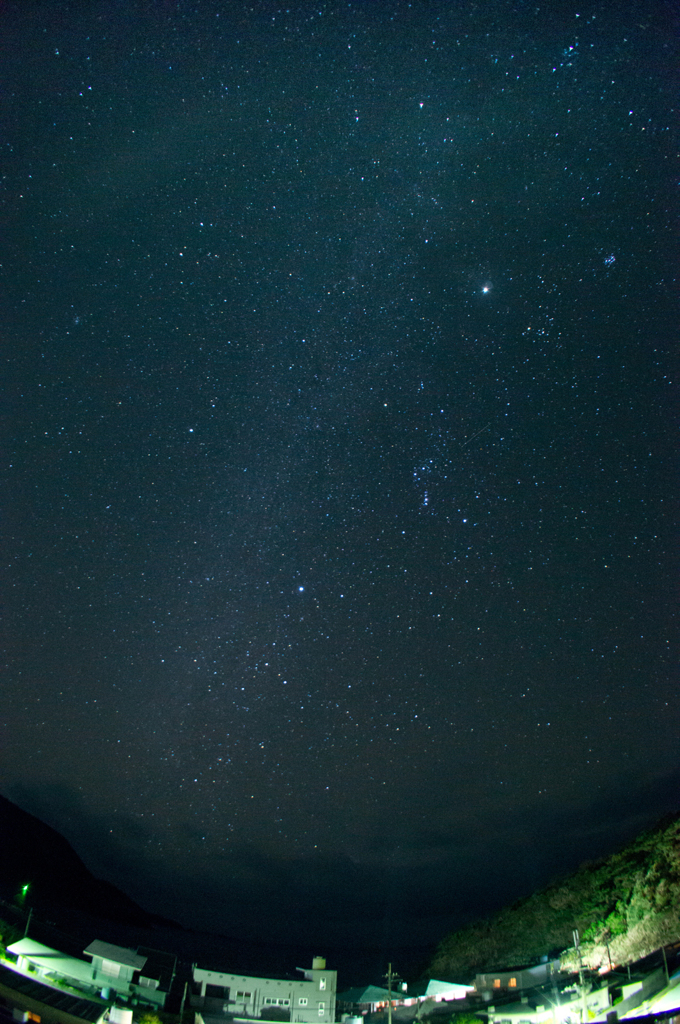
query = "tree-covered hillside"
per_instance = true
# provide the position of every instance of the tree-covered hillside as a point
(624, 907)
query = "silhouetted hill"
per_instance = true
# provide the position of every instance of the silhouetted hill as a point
(624, 906)
(32, 852)
(72, 907)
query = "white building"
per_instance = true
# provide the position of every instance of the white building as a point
(50, 966)
(114, 970)
(516, 980)
(544, 1009)
(308, 1000)
(113, 966)
(437, 991)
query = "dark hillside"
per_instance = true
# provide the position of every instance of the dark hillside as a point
(624, 906)
(32, 852)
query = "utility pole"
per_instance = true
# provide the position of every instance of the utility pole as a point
(581, 982)
(555, 994)
(28, 921)
(184, 995)
(390, 976)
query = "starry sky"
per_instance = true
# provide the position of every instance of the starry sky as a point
(337, 484)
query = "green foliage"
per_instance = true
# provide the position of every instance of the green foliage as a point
(630, 901)
(9, 933)
(149, 1017)
(465, 1018)
(594, 931)
(617, 922)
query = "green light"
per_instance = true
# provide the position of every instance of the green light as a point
(25, 888)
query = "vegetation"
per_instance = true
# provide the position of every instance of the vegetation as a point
(9, 933)
(624, 906)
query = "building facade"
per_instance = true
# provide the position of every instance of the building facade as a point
(520, 979)
(307, 1000)
(114, 971)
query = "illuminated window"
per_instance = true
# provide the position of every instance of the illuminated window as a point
(322, 1009)
(322, 984)
(496, 982)
(302, 1000)
(513, 983)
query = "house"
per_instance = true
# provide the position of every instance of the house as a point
(438, 991)
(114, 966)
(662, 1001)
(627, 999)
(308, 1000)
(571, 1006)
(158, 974)
(370, 998)
(51, 967)
(366, 999)
(550, 1008)
(124, 971)
(113, 971)
(519, 979)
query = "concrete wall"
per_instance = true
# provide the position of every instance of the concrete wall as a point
(310, 1000)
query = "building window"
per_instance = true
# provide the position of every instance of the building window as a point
(110, 969)
(243, 995)
(276, 1001)
(216, 991)
(496, 982)
(513, 983)
(322, 1009)
(302, 1001)
(322, 984)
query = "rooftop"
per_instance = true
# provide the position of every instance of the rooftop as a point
(117, 954)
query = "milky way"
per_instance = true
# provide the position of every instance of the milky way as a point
(337, 463)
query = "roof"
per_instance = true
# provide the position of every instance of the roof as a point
(117, 954)
(82, 1008)
(52, 961)
(432, 987)
(367, 994)
(28, 947)
(159, 965)
(543, 965)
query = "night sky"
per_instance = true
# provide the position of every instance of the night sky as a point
(337, 482)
